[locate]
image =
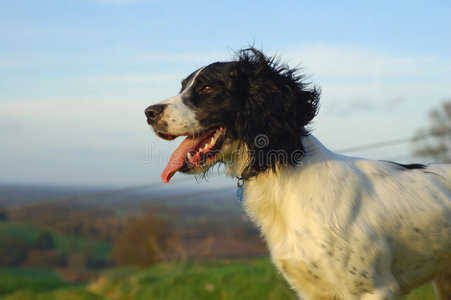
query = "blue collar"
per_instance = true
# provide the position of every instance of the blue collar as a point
(240, 188)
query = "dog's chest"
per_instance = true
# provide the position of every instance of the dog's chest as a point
(298, 248)
(307, 251)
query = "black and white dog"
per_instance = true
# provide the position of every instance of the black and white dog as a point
(337, 227)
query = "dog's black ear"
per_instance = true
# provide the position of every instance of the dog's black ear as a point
(273, 107)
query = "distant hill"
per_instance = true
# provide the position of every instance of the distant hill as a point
(183, 197)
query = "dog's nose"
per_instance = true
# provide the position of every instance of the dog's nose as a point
(154, 112)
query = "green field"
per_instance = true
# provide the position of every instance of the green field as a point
(66, 244)
(221, 279)
(242, 279)
(36, 280)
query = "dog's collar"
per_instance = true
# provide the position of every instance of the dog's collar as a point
(240, 188)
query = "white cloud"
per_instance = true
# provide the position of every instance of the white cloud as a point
(352, 61)
(127, 78)
(362, 81)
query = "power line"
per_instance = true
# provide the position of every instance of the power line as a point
(383, 144)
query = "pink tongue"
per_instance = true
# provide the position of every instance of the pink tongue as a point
(177, 159)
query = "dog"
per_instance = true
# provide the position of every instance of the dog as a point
(336, 227)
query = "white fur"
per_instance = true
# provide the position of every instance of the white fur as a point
(179, 117)
(341, 227)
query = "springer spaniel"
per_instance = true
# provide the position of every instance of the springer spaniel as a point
(337, 227)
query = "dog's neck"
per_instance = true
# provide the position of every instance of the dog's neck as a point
(314, 152)
(236, 161)
(264, 194)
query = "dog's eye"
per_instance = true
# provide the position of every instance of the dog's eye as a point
(206, 89)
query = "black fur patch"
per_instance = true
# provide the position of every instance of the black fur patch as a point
(408, 166)
(255, 97)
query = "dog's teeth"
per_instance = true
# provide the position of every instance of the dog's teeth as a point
(190, 156)
(201, 149)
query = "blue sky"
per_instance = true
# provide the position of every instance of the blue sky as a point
(76, 75)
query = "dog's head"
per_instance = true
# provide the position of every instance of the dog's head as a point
(252, 106)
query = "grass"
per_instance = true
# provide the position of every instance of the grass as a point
(225, 280)
(242, 279)
(238, 279)
(73, 293)
(34, 280)
(28, 233)
(425, 292)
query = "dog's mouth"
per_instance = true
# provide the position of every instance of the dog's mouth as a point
(195, 153)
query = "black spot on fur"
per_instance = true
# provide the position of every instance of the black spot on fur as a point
(358, 284)
(163, 125)
(367, 291)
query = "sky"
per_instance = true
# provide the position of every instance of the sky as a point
(76, 76)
